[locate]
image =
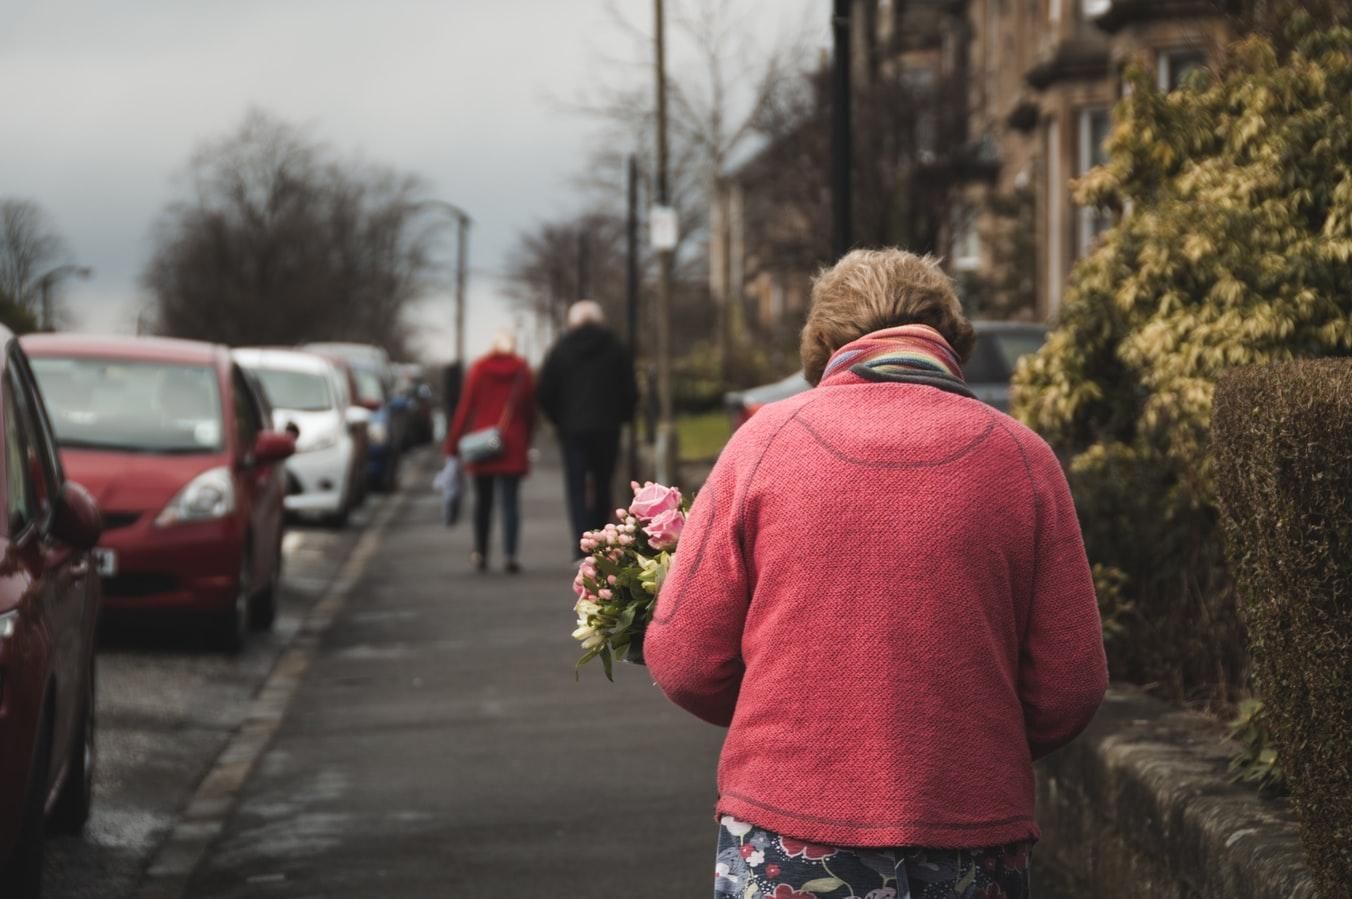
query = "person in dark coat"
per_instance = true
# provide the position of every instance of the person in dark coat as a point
(499, 392)
(588, 391)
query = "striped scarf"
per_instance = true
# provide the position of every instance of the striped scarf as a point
(893, 353)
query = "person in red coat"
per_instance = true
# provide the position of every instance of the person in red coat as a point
(499, 392)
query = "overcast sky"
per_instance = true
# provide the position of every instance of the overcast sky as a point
(103, 101)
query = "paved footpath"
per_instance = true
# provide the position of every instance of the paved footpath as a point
(438, 745)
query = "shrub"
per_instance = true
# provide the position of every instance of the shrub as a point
(1284, 475)
(1235, 248)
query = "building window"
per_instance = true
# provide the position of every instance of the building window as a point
(1091, 222)
(919, 85)
(1053, 10)
(966, 240)
(1173, 68)
(1092, 9)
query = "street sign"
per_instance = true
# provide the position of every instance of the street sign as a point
(663, 229)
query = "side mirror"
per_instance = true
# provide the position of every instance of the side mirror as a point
(76, 520)
(357, 417)
(273, 446)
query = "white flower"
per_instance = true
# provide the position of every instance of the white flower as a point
(586, 607)
(755, 858)
(583, 632)
(593, 642)
(735, 827)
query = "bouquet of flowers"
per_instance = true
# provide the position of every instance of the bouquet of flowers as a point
(618, 581)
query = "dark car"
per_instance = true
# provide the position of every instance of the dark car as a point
(49, 607)
(177, 445)
(999, 347)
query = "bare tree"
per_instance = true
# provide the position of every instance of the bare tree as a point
(720, 84)
(280, 242)
(30, 248)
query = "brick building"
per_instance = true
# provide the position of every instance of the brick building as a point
(1002, 104)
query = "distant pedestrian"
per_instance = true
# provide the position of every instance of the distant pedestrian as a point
(882, 592)
(588, 392)
(499, 396)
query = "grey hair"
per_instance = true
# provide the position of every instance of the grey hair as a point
(585, 312)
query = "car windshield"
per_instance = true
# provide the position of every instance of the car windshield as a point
(1014, 345)
(298, 391)
(118, 404)
(369, 389)
(996, 354)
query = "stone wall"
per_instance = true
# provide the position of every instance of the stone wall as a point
(1141, 807)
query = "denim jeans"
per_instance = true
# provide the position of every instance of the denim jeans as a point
(508, 490)
(589, 460)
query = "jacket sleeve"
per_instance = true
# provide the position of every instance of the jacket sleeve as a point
(462, 409)
(547, 392)
(1063, 672)
(628, 381)
(526, 405)
(693, 645)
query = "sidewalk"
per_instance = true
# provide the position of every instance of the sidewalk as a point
(439, 745)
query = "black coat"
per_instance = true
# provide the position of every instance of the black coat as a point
(587, 382)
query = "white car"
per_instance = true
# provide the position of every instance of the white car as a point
(309, 398)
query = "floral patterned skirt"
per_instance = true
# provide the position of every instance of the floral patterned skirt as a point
(754, 863)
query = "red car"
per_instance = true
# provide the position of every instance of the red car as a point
(49, 606)
(176, 445)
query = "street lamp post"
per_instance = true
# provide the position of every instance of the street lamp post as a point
(45, 290)
(462, 222)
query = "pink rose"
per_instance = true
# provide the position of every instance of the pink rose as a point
(665, 529)
(652, 500)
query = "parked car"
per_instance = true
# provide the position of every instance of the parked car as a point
(309, 398)
(358, 425)
(175, 443)
(49, 607)
(412, 385)
(389, 413)
(995, 355)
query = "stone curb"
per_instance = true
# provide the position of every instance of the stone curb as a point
(1142, 805)
(203, 818)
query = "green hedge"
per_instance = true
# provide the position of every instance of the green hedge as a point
(1283, 441)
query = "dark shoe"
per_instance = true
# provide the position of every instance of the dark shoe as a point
(512, 566)
(478, 560)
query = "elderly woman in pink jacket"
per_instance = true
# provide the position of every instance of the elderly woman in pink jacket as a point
(882, 593)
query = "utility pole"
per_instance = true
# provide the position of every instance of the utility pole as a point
(631, 298)
(461, 275)
(840, 130)
(666, 431)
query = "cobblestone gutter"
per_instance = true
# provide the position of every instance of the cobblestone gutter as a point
(1141, 807)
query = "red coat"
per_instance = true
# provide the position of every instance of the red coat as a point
(493, 382)
(883, 590)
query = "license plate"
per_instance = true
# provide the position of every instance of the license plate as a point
(105, 562)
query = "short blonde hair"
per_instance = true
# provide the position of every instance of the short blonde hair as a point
(869, 290)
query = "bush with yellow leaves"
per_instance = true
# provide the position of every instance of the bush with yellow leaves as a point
(1233, 247)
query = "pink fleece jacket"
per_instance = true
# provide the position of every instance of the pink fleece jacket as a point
(882, 592)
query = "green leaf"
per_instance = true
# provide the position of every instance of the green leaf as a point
(822, 885)
(607, 664)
